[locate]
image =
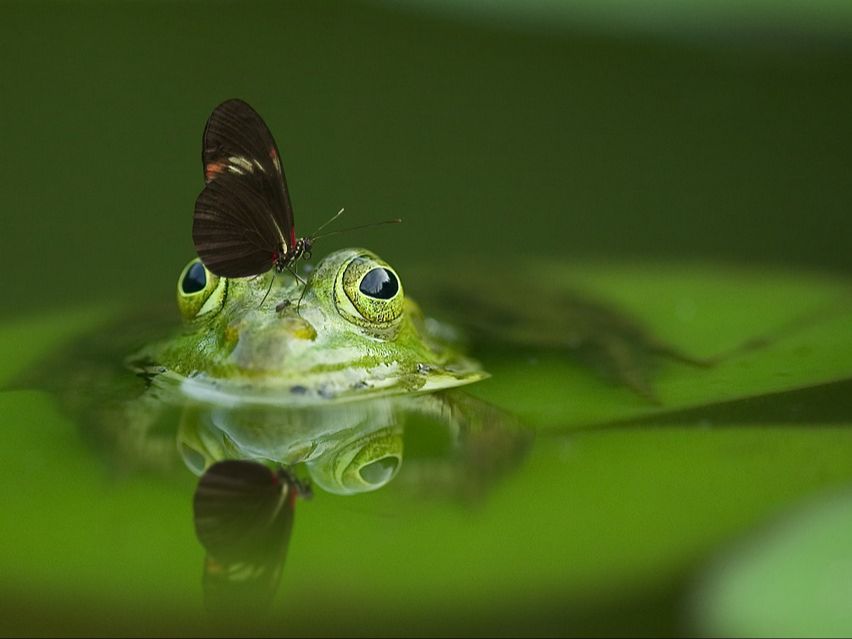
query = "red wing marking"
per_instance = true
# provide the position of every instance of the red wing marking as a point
(273, 155)
(213, 169)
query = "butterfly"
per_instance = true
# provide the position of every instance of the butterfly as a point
(243, 220)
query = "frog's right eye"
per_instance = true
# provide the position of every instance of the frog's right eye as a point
(199, 291)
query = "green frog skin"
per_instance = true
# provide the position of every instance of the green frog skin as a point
(349, 334)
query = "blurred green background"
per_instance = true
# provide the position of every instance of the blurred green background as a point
(623, 132)
(710, 129)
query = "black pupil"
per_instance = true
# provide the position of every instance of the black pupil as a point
(379, 283)
(195, 279)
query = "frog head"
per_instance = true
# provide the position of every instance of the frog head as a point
(347, 331)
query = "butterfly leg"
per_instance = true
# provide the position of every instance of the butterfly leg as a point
(265, 295)
(304, 284)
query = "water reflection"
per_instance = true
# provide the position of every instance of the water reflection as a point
(243, 513)
(358, 446)
(249, 459)
(346, 449)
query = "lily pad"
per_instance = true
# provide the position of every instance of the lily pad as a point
(792, 579)
(761, 331)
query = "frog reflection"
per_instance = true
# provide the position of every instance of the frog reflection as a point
(358, 446)
(344, 449)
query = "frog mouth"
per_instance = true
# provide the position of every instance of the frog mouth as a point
(345, 385)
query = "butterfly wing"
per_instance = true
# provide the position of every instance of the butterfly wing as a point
(233, 229)
(237, 145)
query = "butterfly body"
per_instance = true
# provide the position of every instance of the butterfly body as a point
(284, 259)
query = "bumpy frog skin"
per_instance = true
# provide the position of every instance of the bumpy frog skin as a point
(353, 335)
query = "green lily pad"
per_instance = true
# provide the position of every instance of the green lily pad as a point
(764, 331)
(793, 580)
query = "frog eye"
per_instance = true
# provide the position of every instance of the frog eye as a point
(199, 291)
(373, 290)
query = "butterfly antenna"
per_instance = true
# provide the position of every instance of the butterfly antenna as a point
(327, 222)
(395, 220)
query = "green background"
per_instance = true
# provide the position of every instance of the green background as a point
(651, 153)
(584, 137)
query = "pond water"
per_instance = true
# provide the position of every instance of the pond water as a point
(642, 236)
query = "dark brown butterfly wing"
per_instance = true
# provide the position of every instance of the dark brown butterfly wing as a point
(232, 234)
(238, 149)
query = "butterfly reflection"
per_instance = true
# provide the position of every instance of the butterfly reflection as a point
(243, 513)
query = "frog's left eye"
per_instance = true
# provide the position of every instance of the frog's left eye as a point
(199, 291)
(374, 291)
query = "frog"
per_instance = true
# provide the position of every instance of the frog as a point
(345, 332)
